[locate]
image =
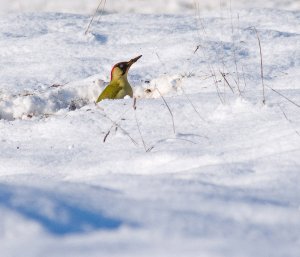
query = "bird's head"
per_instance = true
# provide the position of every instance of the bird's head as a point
(121, 69)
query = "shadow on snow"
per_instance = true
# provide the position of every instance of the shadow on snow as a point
(55, 215)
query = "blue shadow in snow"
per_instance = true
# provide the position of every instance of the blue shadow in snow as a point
(100, 38)
(56, 216)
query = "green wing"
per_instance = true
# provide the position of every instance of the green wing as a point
(110, 92)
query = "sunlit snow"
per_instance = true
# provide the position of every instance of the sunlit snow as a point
(201, 167)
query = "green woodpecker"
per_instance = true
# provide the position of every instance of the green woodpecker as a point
(119, 86)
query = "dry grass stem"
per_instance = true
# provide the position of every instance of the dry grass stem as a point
(92, 19)
(172, 116)
(115, 124)
(226, 81)
(286, 98)
(191, 103)
(289, 121)
(261, 66)
(139, 129)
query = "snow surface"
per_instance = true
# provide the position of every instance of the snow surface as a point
(226, 183)
(140, 6)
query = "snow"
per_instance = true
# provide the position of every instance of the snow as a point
(224, 183)
(139, 6)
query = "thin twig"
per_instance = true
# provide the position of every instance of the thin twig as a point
(245, 84)
(234, 51)
(198, 17)
(162, 63)
(115, 124)
(286, 98)
(191, 103)
(261, 65)
(200, 24)
(178, 139)
(57, 85)
(139, 129)
(197, 48)
(225, 79)
(286, 117)
(106, 135)
(102, 11)
(216, 85)
(90, 23)
(168, 109)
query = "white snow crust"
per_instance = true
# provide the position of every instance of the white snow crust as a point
(139, 6)
(222, 180)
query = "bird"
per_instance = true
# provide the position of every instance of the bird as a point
(119, 86)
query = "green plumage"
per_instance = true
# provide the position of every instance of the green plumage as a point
(116, 90)
(118, 87)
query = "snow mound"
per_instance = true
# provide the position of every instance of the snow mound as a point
(52, 100)
(59, 99)
(158, 87)
(75, 95)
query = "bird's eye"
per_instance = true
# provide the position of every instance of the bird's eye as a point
(121, 66)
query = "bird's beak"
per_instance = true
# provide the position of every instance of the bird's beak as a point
(132, 61)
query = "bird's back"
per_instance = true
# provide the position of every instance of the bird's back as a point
(116, 90)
